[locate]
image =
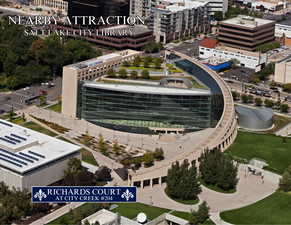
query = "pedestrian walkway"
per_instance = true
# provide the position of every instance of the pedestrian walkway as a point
(250, 189)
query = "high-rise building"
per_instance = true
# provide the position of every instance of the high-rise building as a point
(175, 19)
(216, 6)
(98, 8)
(245, 32)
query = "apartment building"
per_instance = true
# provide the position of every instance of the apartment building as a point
(246, 33)
(216, 6)
(88, 70)
(175, 19)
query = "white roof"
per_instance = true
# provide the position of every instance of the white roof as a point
(147, 89)
(180, 5)
(22, 149)
(247, 21)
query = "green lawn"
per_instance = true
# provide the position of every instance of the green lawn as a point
(186, 202)
(85, 210)
(264, 146)
(274, 209)
(88, 157)
(130, 210)
(56, 107)
(215, 188)
(36, 127)
(185, 216)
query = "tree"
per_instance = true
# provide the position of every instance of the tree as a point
(153, 47)
(199, 216)
(258, 101)
(116, 148)
(244, 98)
(285, 181)
(159, 154)
(103, 148)
(134, 74)
(182, 181)
(145, 74)
(269, 103)
(218, 169)
(137, 61)
(126, 64)
(250, 99)
(148, 159)
(235, 95)
(122, 73)
(103, 174)
(111, 73)
(218, 16)
(287, 87)
(158, 63)
(284, 108)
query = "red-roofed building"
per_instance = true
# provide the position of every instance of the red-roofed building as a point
(208, 43)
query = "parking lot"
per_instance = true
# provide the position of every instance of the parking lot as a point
(22, 98)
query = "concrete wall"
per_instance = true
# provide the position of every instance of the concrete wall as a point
(41, 177)
(283, 72)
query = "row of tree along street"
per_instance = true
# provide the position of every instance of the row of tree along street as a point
(250, 99)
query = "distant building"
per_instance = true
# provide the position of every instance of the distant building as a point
(217, 6)
(88, 70)
(29, 158)
(60, 6)
(246, 33)
(283, 71)
(176, 19)
(210, 48)
(105, 217)
(136, 37)
(98, 8)
(283, 32)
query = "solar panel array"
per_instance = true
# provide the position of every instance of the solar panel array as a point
(6, 124)
(13, 139)
(19, 159)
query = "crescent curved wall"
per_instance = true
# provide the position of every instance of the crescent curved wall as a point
(222, 136)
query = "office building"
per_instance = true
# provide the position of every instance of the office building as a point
(176, 19)
(211, 49)
(88, 70)
(29, 158)
(283, 71)
(145, 108)
(246, 33)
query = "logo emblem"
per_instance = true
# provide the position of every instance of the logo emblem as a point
(40, 195)
(127, 195)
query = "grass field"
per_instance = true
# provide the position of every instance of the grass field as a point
(130, 210)
(88, 157)
(85, 210)
(274, 209)
(56, 107)
(36, 127)
(186, 202)
(264, 146)
(280, 122)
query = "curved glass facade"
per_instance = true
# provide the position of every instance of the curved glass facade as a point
(206, 79)
(138, 112)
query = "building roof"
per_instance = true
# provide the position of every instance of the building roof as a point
(247, 21)
(23, 150)
(180, 5)
(102, 59)
(147, 89)
(209, 43)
